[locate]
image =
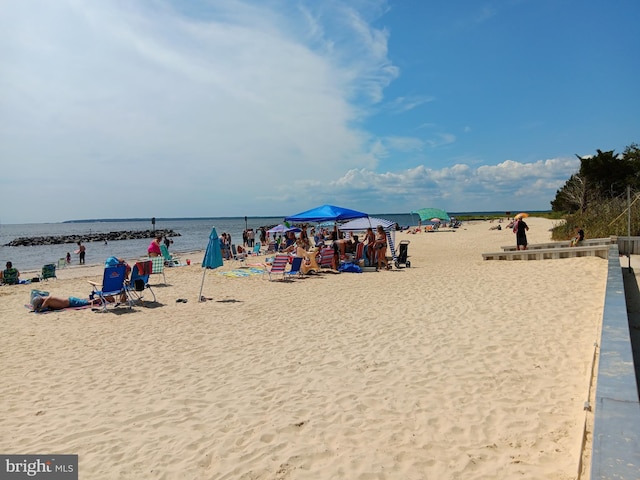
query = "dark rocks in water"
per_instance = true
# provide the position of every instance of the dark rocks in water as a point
(91, 237)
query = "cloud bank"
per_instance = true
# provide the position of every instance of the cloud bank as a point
(226, 108)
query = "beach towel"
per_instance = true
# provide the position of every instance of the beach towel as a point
(242, 272)
(30, 308)
(144, 268)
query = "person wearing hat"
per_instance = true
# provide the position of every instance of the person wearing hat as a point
(10, 275)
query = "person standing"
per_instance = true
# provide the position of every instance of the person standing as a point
(81, 252)
(520, 229)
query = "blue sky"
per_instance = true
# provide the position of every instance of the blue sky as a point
(231, 108)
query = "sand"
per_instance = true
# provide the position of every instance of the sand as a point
(455, 368)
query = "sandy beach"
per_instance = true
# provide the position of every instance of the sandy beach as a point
(455, 368)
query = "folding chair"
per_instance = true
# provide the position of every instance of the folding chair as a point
(11, 277)
(278, 266)
(240, 257)
(158, 267)
(169, 260)
(139, 280)
(48, 271)
(296, 265)
(326, 259)
(272, 247)
(113, 285)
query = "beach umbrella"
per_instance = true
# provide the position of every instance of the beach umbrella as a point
(212, 257)
(435, 220)
(521, 215)
(431, 213)
(326, 213)
(283, 229)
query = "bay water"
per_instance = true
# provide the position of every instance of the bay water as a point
(194, 237)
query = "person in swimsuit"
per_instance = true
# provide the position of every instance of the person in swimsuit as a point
(82, 251)
(41, 303)
(154, 247)
(370, 241)
(380, 247)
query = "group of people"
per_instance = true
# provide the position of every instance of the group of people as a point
(375, 244)
(520, 228)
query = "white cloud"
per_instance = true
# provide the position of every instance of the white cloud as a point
(456, 188)
(132, 108)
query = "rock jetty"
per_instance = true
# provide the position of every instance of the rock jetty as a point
(91, 237)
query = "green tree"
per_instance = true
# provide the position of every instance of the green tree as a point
(572, 197)
(605, 175)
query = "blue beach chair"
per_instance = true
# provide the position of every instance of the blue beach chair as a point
(113, 285)
(139, 281)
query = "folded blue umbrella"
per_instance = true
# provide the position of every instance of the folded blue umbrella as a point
(212, 256)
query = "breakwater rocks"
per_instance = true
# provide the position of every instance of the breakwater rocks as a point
(91, 237)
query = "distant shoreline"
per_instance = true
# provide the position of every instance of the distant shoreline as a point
(466, 215)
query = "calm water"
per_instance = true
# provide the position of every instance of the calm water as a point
(194, 237)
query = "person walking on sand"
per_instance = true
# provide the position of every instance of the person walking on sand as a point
(81, 252)
(520, 229)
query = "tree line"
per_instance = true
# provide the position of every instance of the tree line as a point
(595, 197)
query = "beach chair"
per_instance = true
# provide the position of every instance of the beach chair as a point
(278, 266)
(10, 277)
(113, 285)
(239, 257)
(296, 265)
(326, 258)
(48, 271)
(158, 267)
(62, 262)
(139, 281)
(256, 249)
(359, 252)
(356, 256)
(169, 260)
(271, 247)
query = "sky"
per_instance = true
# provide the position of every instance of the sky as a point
(215, 108)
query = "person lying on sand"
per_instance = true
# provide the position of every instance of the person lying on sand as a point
(41, 303)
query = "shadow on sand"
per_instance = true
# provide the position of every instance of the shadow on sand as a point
(632, 295)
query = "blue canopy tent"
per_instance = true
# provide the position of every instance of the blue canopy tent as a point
(326, 213)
